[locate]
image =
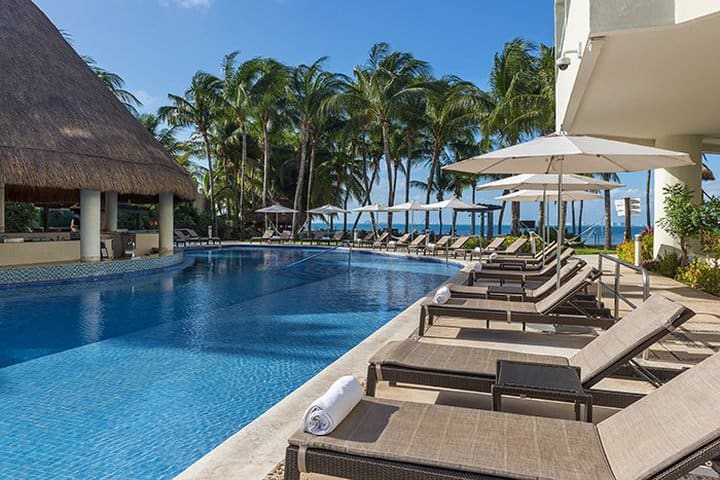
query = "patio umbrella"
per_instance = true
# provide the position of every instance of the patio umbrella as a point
(561, 153)
(374, 208)
(542, 181)
(330, 210)
(412, 207)
(541, 196)
(277, 209)
(453, 203)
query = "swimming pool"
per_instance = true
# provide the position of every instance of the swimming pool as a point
(139, 378)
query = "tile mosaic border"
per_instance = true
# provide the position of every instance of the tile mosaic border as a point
(42, 275)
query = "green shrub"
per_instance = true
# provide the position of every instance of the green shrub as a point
(474, 242)
(626, 250)
(666, 264)
(21, 217)
(702, 275)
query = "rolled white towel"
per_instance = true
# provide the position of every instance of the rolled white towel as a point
(492, 256)
(477, 250)
(477, 268)
(430, 246)
(392, 243)
(328, 411)
(442, 295)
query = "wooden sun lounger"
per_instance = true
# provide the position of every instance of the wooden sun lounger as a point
(418, 243)
(471, 368)
(438, 246)
(381, 241)
(367, 240)
(516, 292)
(555, 309)
(192, 234)
(662, 436)
(519, 263)
(402, 242)
(264, 237)
(511, 250)
(521, 276)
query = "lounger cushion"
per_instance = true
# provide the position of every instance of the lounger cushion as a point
(488, 305)
(665, 426)
(655, 315)
(477, 441)
(453, 358)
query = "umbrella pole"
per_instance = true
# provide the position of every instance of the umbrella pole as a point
(561, 228)
(545, 236)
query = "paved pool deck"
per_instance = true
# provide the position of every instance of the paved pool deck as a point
(256, 449)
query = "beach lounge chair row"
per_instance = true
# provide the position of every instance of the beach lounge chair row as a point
(186, 236)
(650, 439)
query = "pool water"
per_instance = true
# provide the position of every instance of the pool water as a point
(140, 378)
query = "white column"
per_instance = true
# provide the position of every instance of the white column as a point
(2, 208)
(166, 223)
(691, 176)
(90, 225)
(111, 210)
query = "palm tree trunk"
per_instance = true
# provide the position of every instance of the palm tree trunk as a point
(574, 225)
(388, 164)
(515, 221)
(313, 148)
(647, 198)
(408, 167)
(541, 219)
(580, 217)
(502, 213)
(211, 179)
(301, 178)
(608, 223)
(266, 165)
(431, 177)
(472, 214)
(243, 166)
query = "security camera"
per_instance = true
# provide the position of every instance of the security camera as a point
(563, 63)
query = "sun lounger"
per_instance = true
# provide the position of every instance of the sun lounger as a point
(418, 243)
(381, 241)
(521, 276)
(438, 246)
(285, 236)
(179, 238)
(662, 436)
(402, 242)
(367, 241)
(185, 234)
(456, 246)
(471, 368)
(511, 250)
(328, 239)
(517, 292)
(192, 234)
(264, 237)
(518, 263)
(555, 308)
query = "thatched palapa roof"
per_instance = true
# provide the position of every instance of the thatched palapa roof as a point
(61, 129)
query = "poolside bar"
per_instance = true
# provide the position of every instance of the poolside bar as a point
(74, 144)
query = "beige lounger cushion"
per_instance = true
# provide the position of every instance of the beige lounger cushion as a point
(452, 358)
(477, 441)
(635, 328)
(667, 425)
(485, 304)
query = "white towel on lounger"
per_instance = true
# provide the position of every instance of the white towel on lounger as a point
(477, 267)
(442, 295)
(492, 256)
(328, 411)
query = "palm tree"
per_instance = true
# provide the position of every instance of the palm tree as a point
(196, 108)
(269, 78)
(413, 127)
(452, 106)
(309, 90)
(379, 89)
(116, 84)
(609, 177)
(515, 106)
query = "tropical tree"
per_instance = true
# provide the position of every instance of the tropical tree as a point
(609, 177)
(309, 91)
(452, 107)
(378, 91)
(196, 108)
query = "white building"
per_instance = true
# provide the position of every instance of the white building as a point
(643, 71)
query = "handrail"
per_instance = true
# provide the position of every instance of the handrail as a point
(615, 289)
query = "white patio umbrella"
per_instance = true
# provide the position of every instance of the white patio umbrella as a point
(453, 203)
(277, 209)
(543, 181)
(542, 195)
(412, 207)
(561, 153)
(373, 208)
(330, 210)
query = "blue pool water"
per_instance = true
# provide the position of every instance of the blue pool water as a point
(139, 378)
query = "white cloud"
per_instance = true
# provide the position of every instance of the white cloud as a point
(203, 4)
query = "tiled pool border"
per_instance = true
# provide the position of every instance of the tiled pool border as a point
(45, 275)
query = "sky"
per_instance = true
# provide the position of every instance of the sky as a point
(157, 45)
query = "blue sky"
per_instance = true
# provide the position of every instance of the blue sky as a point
(157, 45)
